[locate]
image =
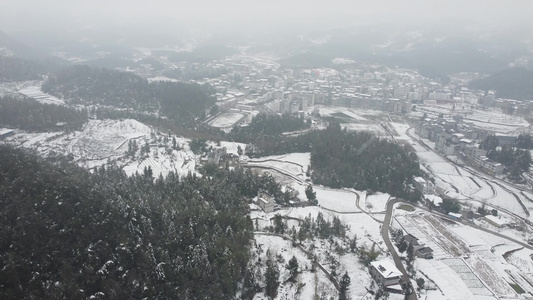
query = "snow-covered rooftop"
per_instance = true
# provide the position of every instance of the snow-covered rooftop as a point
(386, 268)
(495, 220)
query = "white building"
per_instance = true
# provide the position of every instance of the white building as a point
(425, 187)
(385, 273)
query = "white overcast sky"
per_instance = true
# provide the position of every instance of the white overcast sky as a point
(24, 15)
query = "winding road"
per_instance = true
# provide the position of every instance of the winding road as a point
(390, 246)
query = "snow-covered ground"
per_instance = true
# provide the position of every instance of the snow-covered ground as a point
(361, 226)
(309, 284)
(103, 142)
(374, 128)
(336, 200)
(468, 263)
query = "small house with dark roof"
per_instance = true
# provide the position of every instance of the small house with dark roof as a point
(424, 252)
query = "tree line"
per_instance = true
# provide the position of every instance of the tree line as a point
(28, 114)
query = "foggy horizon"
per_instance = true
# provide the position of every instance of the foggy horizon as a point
(60, 17)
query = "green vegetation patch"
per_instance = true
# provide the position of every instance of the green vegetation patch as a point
(406, 207)
(517, 288)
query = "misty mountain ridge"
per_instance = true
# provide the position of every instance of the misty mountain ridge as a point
(19, 49)
(514, 83)
(444, 47)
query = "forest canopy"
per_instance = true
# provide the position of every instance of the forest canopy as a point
(339, 158)
(71, 234)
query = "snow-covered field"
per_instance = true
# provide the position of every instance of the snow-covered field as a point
(226, 120)
(468, 263)
(375, 203)
(400, 130)
(33, 90)
(476, 262)
(374, 128)
(493, 119)
(360, 225)
(355, 113)
(336, 200)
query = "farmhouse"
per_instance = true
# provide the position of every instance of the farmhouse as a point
(411, 239)
(385, 273)
(265, 201)
(419, 249)
(495, 221)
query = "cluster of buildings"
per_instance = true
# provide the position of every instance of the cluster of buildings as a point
(453, 136)
(419, 249)
(251, 84)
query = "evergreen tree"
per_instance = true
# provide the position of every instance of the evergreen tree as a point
(489, 143)
(271, 279)
(311, 195)
(410, 252)
(403, 246)
(279, 225)
(420, 283)
(292, 266)
(353, 244)
(344, 284)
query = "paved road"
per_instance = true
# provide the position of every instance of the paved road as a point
(390, 246)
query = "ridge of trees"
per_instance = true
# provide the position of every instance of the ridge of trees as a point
(70, 233)
(31, 115)
(178, 101)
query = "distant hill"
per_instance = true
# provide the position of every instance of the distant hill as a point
(201, 54)
(515, 83)
(20, 49)
(178, 101)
